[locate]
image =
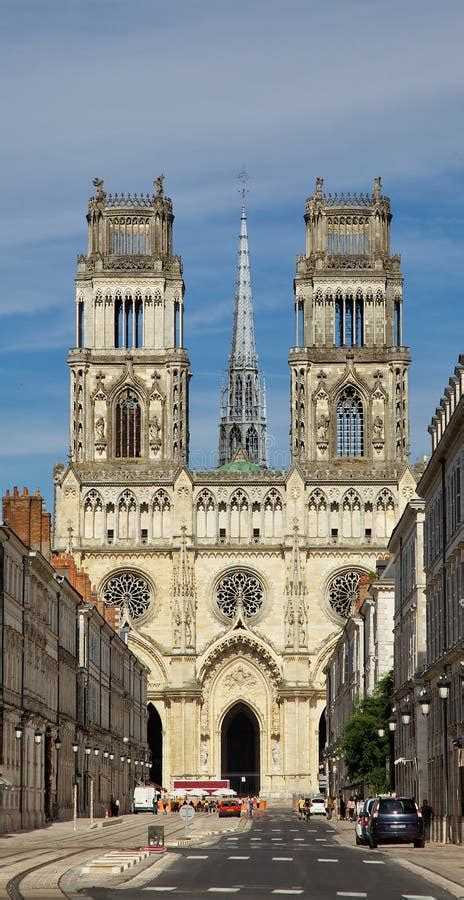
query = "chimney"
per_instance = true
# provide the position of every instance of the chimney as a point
(25, 515)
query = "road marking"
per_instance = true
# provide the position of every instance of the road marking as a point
(255, 839)
(282, 858)
(417, 897)
(287, 891)
(327, 860)
(238, 857)
(373, 862)
(276, 839)
(159, 889)
(276, 829)
(196, 857)
(321, 839)
(349, 894)
(218, 890)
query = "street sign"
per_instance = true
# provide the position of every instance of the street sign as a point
(187, 813)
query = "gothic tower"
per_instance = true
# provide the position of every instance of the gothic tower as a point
(349, 400)
(243, 411)
(129, 371)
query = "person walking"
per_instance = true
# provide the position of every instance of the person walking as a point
(427, 816)
(342, 809)
(250, 807)
(154, 804)
(330, 805)
(351, 805)
(300, 807)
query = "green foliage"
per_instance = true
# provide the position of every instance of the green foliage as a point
(365, 753)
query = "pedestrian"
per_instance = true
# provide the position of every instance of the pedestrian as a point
(427, 816)
(250, 807)
(165, 807)
(342, 807)
(300, 807)
(329, 807)
(155, 804)
(116, 807)
(351, 806)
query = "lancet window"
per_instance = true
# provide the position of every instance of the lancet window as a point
(128, 322)
(161, 509)
(80, 324)
(235, 439)
(350, 424)
(238, 398)
(93, 515)
(249, 397)
(206, 515)
(349, 321)
(251, 444)
(128, 425)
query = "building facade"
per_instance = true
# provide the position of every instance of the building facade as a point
(235, 582)
(73, 696)
(441, 488)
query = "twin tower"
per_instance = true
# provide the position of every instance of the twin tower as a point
(130, 369)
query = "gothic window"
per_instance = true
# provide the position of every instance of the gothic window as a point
(251, 444)
(397, 324)
(128, 425)
(239, 516)
(206, 515)
(273, 514)
(351, 515)
(350, 424)
(384, 513)
(128, 591)
(93, 515)
(138, 331)
(343, 592)
(237, 395)
(349, 330)
(235, 440)
(338, 321)
(161, 509)
(80, 324)
(317, 514)
(239, 589)
(359, 321)
(127, 515)
(128, 322)
(249, 397)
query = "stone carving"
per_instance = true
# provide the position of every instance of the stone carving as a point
(159, 186)
(100, 429)
(70, 492)
(154, 430)
(275, 754)
(204, 752)
(378, 439)
(240, 677)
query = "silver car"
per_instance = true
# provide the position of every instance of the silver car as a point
(362, 821)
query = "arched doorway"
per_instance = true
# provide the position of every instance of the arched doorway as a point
(240, 755)
(321, 757)
(155, 743)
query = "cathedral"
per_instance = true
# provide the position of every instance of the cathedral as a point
(233, 583)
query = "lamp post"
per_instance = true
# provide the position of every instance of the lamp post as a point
(75, 750)
(443, 685)
(392, 725)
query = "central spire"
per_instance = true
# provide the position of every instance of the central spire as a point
(243, 413)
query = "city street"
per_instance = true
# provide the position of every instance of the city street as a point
(281, 855)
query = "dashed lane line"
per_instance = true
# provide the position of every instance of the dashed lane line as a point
(373, 862)
(417, 897)
(350, 894)
(159, 890)
(282, 859)
(328, 860)
(223, 890)
(288, 891)
(196, 856)
(238, 857)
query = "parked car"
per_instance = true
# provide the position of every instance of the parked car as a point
(362, 821)
(229, 808)
(395, 820)
(317, 806)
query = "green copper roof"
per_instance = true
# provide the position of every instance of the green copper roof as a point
(240, 465)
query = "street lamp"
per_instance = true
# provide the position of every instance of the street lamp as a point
(406, 714)
(105, 754)
(381, 730)
(424, 701)
(443, 685)
(58, 742)
(87, 750)
(38, 737)
(96, 750)
(75, 746)
(19, 730)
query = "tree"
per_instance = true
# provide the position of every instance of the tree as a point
(366, 753)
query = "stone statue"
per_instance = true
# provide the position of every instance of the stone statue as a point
(290, 624)
(319, 186)
(155, 428)
(100, 429)
(276, 753)
(377, 188)
(188, 630)
(177, 622)
(377, 428)
(99, 185)
(204, 752)
(301, 627)
(159, 186)
(322, 427)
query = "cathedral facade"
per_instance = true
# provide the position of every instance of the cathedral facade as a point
(234, 582)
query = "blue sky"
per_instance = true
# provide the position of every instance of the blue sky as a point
(347, 90)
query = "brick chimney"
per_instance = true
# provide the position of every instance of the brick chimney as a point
(25, 515)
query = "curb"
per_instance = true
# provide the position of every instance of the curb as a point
(452, 886)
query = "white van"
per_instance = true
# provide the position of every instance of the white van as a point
(143, 798)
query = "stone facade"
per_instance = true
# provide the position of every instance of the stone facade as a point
(236, 582)
(441, 488)
(68, 682)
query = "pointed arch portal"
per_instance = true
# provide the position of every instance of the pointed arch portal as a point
(240, 756)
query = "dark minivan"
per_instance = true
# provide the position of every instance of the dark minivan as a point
(395, 819)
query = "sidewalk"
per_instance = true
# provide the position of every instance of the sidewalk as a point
(441, 863)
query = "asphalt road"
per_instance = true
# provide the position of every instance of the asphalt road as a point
(281, 856)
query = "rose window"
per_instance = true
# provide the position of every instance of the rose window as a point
(344, 592)
(128, 591)
(239, 589)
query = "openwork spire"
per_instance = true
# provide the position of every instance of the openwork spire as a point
(243, 411)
